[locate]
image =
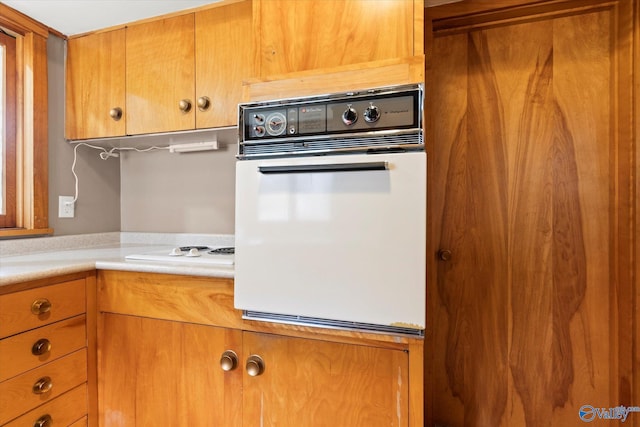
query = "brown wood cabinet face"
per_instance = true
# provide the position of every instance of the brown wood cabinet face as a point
(223, 60)
(95, 85)
(323, 384)
(36, 347)
(19, 311)
(531, 165)
(17, 394)
(163, 371)
(293, 35)
(160, 72)
(69, 409)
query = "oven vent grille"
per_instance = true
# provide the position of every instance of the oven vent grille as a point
(332, 324)
(329, 145)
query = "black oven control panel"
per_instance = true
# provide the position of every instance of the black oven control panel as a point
(273, 127)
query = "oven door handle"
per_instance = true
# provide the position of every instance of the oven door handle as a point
(332, 167)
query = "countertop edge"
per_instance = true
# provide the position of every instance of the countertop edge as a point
(221, 272)
(46, 273)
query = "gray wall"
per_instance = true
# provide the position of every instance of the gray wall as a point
(180, 193)
(144, 192)
(98, 207)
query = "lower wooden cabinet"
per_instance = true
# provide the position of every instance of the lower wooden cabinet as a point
(196, 375)
(323, 384)
(47, 352)
(151, 370)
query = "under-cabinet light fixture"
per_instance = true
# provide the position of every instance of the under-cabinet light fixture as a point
(195, 146)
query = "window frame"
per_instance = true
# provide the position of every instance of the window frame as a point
(8, 219)
(32, 187)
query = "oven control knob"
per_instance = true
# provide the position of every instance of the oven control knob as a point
(371, 114)
(259, 131)
(350, 116)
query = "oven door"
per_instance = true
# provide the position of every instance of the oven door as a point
(337, 241)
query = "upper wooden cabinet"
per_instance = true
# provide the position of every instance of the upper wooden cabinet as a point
(293, 35)
(181, 73)
(95, 86)
(223, 60)
(160, 75)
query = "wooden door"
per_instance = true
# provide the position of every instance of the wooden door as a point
(160, 74)
(531, 192)
(95, 86)
(224, 58)
(158, 372)
(293, 35)
(323, 384)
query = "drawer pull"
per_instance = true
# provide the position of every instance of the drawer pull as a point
(43, 385)
(44, 421)
(41, 306)
(41, 347)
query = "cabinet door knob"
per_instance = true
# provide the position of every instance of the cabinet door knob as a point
(444, 254)
(116, 113)
(184, 105)
(204, 103)
(44, 421)
(229, 360)
(40, 306)
(43, 385)
(41, 347)
(255, 365)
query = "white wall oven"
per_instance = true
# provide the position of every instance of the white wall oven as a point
(331, 211)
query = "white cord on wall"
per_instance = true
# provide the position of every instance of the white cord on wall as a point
(106, 154)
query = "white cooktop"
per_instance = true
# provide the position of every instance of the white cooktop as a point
(192, 256)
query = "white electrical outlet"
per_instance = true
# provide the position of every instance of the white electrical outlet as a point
(66, 207)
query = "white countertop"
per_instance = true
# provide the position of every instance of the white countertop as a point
(39, 258)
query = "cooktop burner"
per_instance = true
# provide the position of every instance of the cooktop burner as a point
(188, 248)
(230, 250)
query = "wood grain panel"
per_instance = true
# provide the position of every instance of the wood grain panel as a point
(201, 300)
(95, 83)
(65, 410)
(635, 185)
(67, 300)
(293, 35)
(529, 188)
(335, 384)
(16, 355)
(336, 79)
(160, 73)
(153, 370)
(17, 397)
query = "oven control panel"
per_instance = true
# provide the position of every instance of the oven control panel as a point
(344, 115)
(354, 112)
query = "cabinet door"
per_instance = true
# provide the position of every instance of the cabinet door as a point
(294, 35)
(223, 60)
(160, 74)
(161, 372)
(530, 311)
(95, 85)
(316, 383)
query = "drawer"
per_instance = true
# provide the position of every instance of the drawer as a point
(17, 396)
(70, 409)
(80, 423)
(25, 351)
(19, 310)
